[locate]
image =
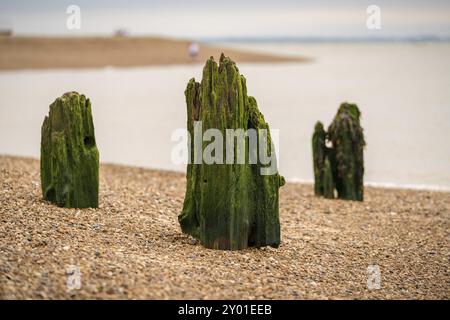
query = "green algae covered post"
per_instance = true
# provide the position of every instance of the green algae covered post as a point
(346, 135)
(69, 155)
(319, 156)
(229, 205)
(340, 167)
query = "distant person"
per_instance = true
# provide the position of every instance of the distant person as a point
(193, 50)
(120, 33)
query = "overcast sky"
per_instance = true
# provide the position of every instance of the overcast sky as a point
(232, 18)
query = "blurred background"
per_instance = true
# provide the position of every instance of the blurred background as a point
(301, 59)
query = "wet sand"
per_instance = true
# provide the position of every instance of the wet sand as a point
(79, 52)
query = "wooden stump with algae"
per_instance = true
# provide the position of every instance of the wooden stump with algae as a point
(228, 206)
(69, 155)
(323, 174)
(319, 156)
(340, 167)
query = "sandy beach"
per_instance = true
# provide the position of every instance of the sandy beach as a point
(94, 52)
(131, 246)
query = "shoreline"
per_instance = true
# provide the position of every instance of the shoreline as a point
(132, 247)
(369, 184)
(27, 53)
(387, 185)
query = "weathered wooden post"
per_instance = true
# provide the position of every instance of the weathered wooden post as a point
(319, 156)
(228, 206)
(340, 167)
(327, 178)
(69, 155)
(346, 135)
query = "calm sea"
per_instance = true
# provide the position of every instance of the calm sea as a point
(402, 89)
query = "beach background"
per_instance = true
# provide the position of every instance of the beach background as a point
(401, 89)
(301, 59)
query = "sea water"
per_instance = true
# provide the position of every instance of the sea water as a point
(402, 89)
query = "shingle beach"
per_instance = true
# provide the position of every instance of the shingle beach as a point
(131, 247)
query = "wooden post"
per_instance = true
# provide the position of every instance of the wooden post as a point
(340, 167)
(69, 155)
(228, 206)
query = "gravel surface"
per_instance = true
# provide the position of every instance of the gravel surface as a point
(132, 246)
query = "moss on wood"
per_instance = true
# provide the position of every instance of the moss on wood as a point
(228, 206)
(340, 167)
(69, 155)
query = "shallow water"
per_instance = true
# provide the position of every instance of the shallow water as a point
(403, 91)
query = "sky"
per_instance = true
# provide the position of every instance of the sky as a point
(205, 19)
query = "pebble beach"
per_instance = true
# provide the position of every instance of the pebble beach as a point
(132, 247)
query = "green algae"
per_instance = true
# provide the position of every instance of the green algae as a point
(340, 167)
(69, 155)
(228, 206)
(319, 156)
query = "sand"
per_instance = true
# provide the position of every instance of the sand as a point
(132, 246)
(81, 52)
